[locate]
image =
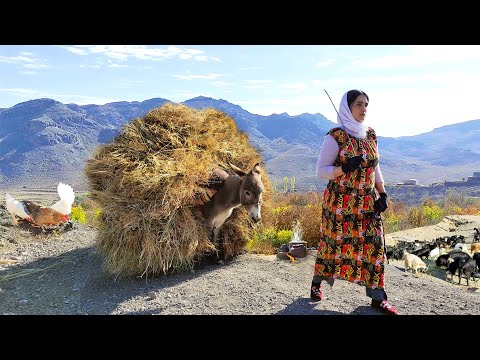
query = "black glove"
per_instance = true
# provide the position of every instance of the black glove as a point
(381, 203)
(354, 163)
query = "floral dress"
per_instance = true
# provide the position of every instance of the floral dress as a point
(351, 245)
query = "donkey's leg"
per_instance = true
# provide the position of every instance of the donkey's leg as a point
(215, 231)
(212, 255)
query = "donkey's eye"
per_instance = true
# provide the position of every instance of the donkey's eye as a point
(247, 192)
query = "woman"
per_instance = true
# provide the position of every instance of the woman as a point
(351, 245)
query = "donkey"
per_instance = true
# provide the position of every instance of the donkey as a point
(241, 188)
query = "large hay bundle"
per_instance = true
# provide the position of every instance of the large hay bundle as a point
(147, 179)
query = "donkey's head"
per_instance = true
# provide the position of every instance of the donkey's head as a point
(251, 190)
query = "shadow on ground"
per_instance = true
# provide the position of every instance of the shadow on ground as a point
(75, 282)
(305, 306)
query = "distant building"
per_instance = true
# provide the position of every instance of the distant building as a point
(471, 181)
(410, 182)
(475, 179)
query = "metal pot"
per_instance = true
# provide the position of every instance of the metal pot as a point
(284, 248)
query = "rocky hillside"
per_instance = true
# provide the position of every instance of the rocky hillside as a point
(44, 141)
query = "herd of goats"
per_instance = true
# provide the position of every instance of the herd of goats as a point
(448, 252)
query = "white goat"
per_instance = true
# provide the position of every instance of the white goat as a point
(435, 253)
(462, 246)
(414, 263)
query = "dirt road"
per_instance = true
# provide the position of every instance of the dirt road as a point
(63, 274)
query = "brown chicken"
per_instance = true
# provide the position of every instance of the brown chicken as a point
(43, 216)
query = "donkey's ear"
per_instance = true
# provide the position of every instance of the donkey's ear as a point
(237, 170)
(256, 168)
(220, 173)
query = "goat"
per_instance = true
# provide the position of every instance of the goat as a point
(453, 262)
(414, 263)
(458, 253)
(452, 266)
(436, 252)
(461, 246)
(474, 247)
(241, 188)
(442, 260)
(445, 259)
(466, 267)
(476, 257)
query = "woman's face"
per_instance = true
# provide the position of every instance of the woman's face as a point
(359, 108)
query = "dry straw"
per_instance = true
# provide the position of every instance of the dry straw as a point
(147, 179)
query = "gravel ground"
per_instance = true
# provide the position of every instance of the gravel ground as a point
(63, 274)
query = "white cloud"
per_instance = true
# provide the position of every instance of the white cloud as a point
(24, 61)
(222, 83)
(252, 68)
(421, 55)
(142, 52)
(293, 86)
(84, 66)
(28, 72)
(75, 50)
(397, 112)
(329, 82)
(324, 63)
(257, 84)
(117, 66)
(20, 92)
(198, 77)
(35, 66)
(16, 59)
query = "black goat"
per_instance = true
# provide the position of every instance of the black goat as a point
(452, 267)
(458, 254)
(417, 248)
(467, 268)
(449, 241)
(476, 257)
(442, 260)
(453, 262)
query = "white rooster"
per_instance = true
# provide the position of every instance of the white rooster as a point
(67, 197)
(41, 216)
(16, 208)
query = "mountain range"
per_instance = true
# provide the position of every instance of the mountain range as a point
(44, 141)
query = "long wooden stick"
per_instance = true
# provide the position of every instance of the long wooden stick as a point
(332, 102)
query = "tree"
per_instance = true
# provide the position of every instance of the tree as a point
(285, 184)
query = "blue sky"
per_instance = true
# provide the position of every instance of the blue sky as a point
(412, 89)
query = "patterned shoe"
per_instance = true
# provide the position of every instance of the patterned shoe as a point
(384, 307)
(316, 292)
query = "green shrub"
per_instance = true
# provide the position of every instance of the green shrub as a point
(78, 214)
(433, 213)
(283, 237)
(269, 239)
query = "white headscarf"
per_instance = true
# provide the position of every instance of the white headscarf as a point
(346, 119)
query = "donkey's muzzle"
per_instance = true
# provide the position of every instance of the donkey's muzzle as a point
(256, 219)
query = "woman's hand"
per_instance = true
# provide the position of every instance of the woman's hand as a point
(381, 203)
(354, 163)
